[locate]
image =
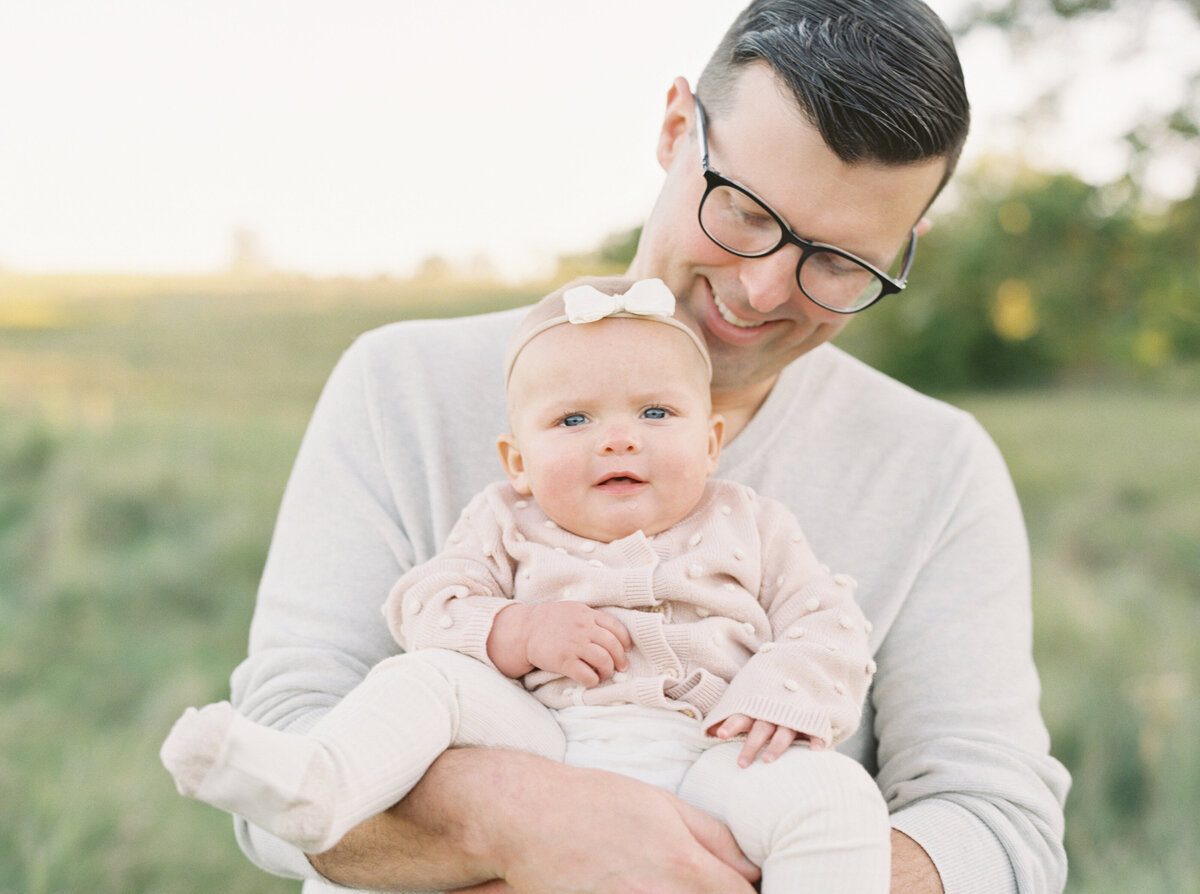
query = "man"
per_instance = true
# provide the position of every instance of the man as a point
(796, 182)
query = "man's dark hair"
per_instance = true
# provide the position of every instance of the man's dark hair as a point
(880, 79)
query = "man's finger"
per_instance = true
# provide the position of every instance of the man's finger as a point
(715, 837)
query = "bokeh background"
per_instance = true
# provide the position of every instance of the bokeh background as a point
(201, 205)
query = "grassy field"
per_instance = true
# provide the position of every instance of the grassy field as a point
(146, 431)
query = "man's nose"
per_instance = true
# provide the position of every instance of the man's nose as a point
(770, 282)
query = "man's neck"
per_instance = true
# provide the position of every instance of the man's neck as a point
(739, 406)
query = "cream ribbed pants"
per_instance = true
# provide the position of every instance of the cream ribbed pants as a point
(813, 821)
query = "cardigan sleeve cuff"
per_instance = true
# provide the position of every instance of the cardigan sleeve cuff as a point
(461, 625)
(968, 856)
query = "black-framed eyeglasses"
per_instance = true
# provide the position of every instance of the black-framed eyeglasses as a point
(740, 222)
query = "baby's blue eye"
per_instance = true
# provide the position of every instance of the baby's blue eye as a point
(574, 419)
(654, 413)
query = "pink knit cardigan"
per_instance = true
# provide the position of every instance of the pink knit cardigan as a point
(730, 610)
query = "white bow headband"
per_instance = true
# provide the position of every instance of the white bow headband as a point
(649, 299)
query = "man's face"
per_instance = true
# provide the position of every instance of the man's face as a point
(754, 316)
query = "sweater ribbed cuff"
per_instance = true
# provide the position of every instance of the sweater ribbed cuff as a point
(271, 854)
(967, 854)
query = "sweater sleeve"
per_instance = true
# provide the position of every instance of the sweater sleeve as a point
(963, 753)
(451, 601)
(336, 549)
(812, 674)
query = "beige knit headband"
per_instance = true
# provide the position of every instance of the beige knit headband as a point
(647, 299)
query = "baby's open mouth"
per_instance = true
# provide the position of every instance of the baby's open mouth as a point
(620, 481)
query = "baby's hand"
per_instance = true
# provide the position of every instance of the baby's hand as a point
(578, 641)
(759, 733)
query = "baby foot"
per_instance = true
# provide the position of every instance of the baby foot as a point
(279, 781)
(194, 743)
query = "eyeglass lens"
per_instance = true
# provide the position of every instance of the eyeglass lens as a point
(739, 223)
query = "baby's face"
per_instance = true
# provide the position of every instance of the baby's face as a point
(613, 429)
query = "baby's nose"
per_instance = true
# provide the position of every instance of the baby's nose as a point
(619, 439)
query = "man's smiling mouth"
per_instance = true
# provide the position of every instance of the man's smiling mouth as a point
(730, 317)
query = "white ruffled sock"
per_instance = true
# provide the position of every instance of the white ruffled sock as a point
(283, 782)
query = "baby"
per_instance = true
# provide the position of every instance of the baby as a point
(643, 616)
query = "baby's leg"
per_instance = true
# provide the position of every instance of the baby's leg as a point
(813, 820)
(360, 758)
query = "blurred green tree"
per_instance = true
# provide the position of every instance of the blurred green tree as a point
(1147, 47)
(1043, 278)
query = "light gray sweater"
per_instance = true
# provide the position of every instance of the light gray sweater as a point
(906, 494)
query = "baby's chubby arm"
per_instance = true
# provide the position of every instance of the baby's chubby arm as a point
(569, 638)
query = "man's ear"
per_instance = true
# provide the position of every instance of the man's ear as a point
(514, 463)
(677, 122)
(716, 435)
(924, 225)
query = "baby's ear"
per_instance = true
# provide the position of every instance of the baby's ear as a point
(716, 435)
(514, 463)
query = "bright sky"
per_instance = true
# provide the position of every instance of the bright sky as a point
(359, 136)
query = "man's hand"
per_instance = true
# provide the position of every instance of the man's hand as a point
(620, 836)
(759, 733)
(538, 827)
(568, 638)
